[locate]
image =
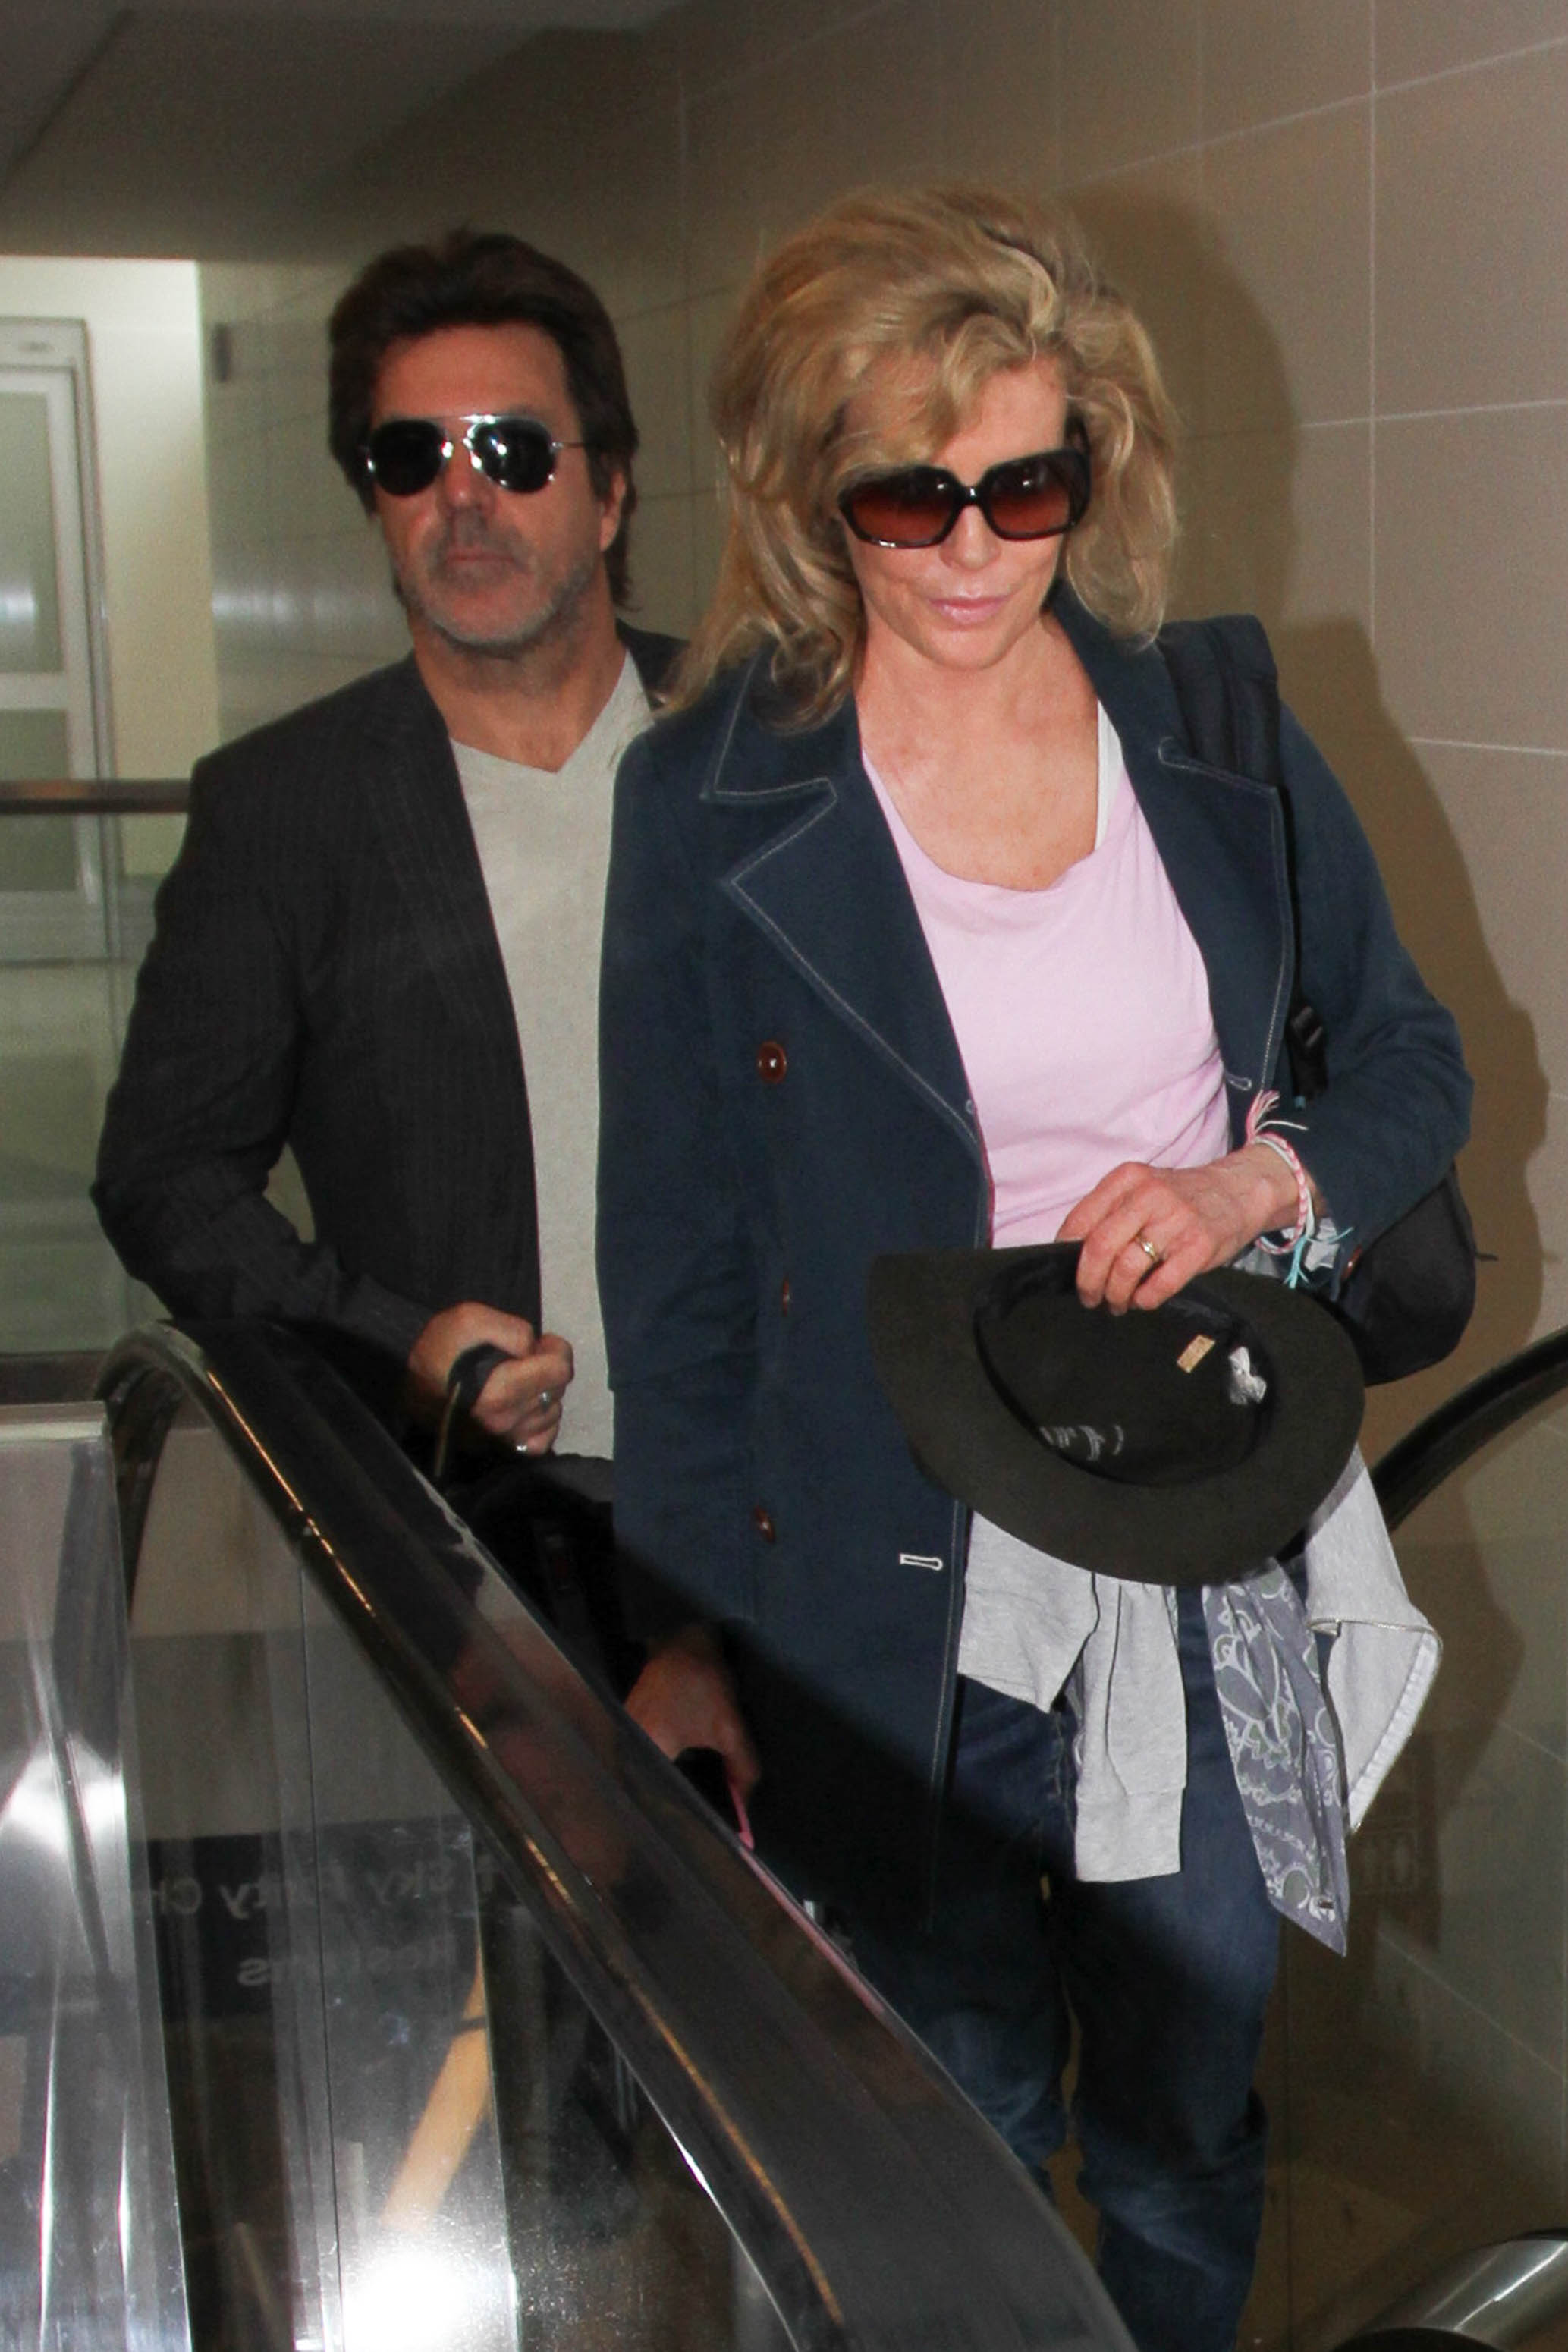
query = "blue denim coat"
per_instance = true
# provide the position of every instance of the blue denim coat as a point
(782, 1098)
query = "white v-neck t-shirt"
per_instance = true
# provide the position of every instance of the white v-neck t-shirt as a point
(543, 838)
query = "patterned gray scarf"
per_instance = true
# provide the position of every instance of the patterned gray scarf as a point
(1284, 1747)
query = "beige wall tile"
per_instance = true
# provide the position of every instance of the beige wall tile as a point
(604, 189)
(1263, 58)
(889, 93)
(710, 316)
(354, 613)
(1398, 792)
(1485, 1554)
(1509, 812)
(1149, 227)
(1279, 525)
(764, 154)
(723, 237)
(1130, 80)
(1508, 2102)
(1402, 2151)
(1514, 1172)
(1547, 1177)
(999, 96)
(653, 347)
(1501, 1814)
(662, 566)
(1425, 37)
(1239, 532)
(707, 546)
(1329, 577)
(1472, 226)
(1287, 331)
(1469, 844)
(633, 189)
(1471, 522)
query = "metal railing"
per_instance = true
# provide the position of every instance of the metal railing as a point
(876, 2206)
(96, 796)
(1436, 1448)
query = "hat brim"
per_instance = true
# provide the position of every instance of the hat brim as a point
(1205, 1530)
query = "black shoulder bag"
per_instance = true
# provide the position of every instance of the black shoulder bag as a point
(1408, 1296)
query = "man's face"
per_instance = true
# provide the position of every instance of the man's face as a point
(488, 570)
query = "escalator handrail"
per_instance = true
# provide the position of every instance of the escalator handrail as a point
(95, 796)
(1420, 1461)
(877, 2207)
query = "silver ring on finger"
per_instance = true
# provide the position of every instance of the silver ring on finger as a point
(545, 1395)
(1151, 1250)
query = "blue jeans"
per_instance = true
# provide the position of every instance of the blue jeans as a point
(1168, 1980)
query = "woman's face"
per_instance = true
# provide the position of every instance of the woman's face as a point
(966, 603)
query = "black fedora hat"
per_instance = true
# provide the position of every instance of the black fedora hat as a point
(1182, 1444)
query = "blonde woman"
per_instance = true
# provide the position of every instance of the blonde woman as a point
(923, 928)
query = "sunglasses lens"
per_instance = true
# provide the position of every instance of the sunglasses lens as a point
(516, 452)
(1035, 498)
(1026, 498)
(914, 508)
(405, 455)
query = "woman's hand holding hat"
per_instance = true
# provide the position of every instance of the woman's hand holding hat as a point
(1146, 1231)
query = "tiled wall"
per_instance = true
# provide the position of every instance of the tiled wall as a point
(300, 601)
(1344, 222)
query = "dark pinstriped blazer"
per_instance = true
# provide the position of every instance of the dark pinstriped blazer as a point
(325, 973)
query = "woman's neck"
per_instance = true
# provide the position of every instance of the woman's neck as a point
(995, 771)
(902, 694)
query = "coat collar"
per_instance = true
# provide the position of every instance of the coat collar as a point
(828, 888)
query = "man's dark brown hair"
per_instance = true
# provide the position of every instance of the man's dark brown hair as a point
(475, 278)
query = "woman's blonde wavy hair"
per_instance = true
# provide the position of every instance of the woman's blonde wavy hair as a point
(920, 295)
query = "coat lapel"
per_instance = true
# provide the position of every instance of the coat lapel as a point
(825, 885)
(415, 801)
(1221, 841)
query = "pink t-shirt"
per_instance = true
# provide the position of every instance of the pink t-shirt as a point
(1082, 1013)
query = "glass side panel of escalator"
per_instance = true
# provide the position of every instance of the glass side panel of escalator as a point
(1424, 2110)
(90, 2248)
(396, 2124)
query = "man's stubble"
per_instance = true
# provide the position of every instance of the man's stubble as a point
(549, 627)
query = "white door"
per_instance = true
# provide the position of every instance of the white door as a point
(52, 696)
(61, 991)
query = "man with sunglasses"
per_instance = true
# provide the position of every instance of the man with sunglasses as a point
(387, 908)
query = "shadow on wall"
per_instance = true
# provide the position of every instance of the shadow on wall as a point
(1435, 905)
(1278, 521)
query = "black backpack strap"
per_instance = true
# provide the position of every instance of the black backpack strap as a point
(1228, 691)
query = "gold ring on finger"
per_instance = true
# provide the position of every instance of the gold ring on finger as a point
(1151, 1250)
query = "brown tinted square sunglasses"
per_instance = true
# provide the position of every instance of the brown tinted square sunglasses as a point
(1036, 497)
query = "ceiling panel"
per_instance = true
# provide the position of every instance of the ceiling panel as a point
(201, 130)
(46, 49)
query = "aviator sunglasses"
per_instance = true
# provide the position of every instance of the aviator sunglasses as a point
(1024, 497)
(404, 455)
